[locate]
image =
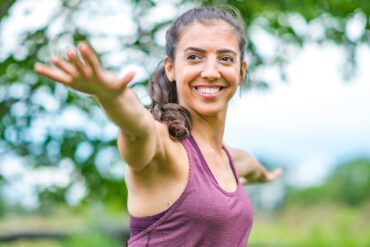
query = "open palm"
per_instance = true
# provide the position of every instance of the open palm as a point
(84, 74)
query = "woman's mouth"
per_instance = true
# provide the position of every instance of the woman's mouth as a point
(208, 92)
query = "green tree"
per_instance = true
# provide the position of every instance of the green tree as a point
(30, 105)
(348, 184)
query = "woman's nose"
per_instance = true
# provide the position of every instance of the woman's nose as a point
(210, 71)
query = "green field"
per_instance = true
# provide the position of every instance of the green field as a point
(320, 225)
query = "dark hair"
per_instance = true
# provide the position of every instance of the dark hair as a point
(162, 91)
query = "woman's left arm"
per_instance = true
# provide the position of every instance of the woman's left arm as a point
(250, 170)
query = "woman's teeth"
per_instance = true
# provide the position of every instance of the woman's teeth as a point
(208, 90)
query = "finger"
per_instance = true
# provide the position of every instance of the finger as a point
(82, 68)
(65, 66)
(274, 174)
(127, 78)
(53, 73)
(243, 180)
(89, 56)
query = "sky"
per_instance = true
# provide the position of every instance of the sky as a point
(309, 124)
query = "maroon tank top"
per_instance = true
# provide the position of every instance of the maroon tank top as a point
(203, 215)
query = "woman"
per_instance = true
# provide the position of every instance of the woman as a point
(183, 186)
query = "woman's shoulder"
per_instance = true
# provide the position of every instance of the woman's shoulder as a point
(170, 156)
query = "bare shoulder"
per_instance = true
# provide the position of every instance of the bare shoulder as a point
(168, 160)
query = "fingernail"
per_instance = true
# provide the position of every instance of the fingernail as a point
(69, 52)
(37, 66)
(82, 45)
(54, 58)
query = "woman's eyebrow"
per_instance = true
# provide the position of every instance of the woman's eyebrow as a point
(227, 51)
(200, 50)
(195, 49)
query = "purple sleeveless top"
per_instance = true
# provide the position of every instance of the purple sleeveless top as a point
(203, 215)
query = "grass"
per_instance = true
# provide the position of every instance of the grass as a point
(81, 240)
(319, 226)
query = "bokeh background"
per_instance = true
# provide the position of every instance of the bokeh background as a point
(305, 108)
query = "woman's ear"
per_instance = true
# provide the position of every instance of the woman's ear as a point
(169, 68)
(242, 71)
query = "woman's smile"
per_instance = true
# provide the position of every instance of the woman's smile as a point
(208, 91)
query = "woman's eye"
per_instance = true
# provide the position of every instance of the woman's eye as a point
(192, 57)
(227, 59)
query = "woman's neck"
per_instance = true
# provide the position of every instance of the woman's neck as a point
(209, 131)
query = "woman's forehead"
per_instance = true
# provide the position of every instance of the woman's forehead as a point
(203, 26)
(213, 33)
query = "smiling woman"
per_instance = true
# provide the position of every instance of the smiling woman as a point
(183, 183)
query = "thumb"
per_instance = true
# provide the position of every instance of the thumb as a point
(127, 78)
(243, 180)
(274, 174)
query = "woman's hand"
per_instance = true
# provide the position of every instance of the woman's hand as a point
(250, 170)
(84, 74)
(82, 71)
(261, 176)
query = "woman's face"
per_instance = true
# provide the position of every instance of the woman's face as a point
(206, 67)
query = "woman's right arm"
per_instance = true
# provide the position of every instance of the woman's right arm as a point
(139, 136)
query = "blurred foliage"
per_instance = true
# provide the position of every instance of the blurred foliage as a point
(348, 184)
(91, 240)
(2, 206)
(31, 106)
(321, 225)
(94, 239)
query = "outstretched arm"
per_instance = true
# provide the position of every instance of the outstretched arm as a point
(121, 104)
(250, 170)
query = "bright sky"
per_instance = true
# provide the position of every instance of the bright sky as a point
(309, 124)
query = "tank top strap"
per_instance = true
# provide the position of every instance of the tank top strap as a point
(231, 161)
(204, 164)
(199, 155)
